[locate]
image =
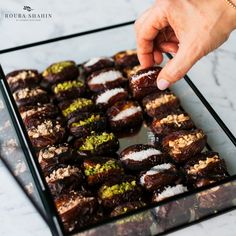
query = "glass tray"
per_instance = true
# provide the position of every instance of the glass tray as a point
(168, 215)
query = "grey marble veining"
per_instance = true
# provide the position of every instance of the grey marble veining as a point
(215, 76)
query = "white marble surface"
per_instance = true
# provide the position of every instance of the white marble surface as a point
(214, 75)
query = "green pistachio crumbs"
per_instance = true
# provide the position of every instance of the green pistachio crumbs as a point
(100, 168)
(68, 85)
(87, 121)
(109, 191)
(77, 104)
(93, 141)
(57, 67)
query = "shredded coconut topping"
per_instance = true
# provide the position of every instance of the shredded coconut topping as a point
(107, 95)
(155, 170)
(94, 60)
(105, 77)
(141, 155)
(139, 76)
(126, 113)
(170, 191)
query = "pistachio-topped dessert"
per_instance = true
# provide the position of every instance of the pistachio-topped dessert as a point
(69, 89)
(99, 169)
(83, 124)
(97, 144)
(115, 192)
(73, 107)
(61, 71)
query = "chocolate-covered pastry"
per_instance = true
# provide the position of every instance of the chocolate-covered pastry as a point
(127, 207)
(159, 176)
(97, 144)
(118, 191)
(141, 157)
(205, 168)
(64, 178)
(171, 122)
(82, 125)
(110, 97)
(126, 58)
(56, 154)
(20, 79)
(125, 114)
(144, 82)
(69, 90)
(168, 191)
(61, 71)
(105, 79)
(101, 169)
(130, 71)
(97, 63)
(75, 209)
(48, 132)
(181, 145)
(157, 104)
(47, 110)
(73, 108)
(27, 96)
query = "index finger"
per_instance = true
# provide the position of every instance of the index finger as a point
(146, 33)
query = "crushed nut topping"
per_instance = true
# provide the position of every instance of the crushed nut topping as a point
(184, 141)
(26, 93)
(163, 99)
(203, 164)
(177, 119)
(21, 76)
(33, 111)
(62, 173)
(51, 152)
(44, 129)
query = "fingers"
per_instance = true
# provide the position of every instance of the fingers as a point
(176, 68)
(168, 47)
(146, 32)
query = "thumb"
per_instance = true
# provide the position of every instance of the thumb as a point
(177, 67)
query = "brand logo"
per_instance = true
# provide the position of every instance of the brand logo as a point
(27, 8)
(28, 14)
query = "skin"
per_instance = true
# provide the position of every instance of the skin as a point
(189, 29)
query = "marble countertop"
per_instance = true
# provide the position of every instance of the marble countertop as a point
(214, 75)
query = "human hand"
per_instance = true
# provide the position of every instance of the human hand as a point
(189, 29)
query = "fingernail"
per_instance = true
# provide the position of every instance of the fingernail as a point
(163, 84)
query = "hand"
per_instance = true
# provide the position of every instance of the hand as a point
(190, 29)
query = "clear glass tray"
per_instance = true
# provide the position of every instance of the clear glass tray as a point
(18, 155)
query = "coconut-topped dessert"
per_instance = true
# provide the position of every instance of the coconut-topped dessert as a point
(159, 176)
(110, 97)
(143, 82)
(125, 114)
(140, 157)
(97, 63)
(105, 79)
(168, 191)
